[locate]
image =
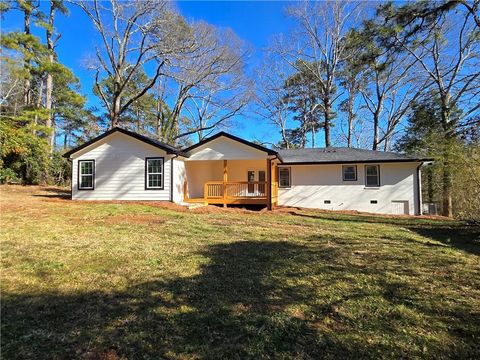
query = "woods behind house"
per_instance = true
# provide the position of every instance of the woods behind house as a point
(383, 76)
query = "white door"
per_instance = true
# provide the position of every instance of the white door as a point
(400, 207)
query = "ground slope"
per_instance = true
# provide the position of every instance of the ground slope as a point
(115, 280)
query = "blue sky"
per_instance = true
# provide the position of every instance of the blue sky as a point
(255, 22)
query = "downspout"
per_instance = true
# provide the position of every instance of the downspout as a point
(419, 189)
(171, 176)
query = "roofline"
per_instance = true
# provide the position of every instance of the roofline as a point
(126, 132)
(354, 162)
(232, 137)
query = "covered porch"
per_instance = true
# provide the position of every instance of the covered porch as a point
(229, 182)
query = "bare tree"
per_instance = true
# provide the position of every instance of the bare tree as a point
(211, 86)
(392, 88)
(134, 35)
(54, 5)
(272, 100)
(448, 52)
(320, 47)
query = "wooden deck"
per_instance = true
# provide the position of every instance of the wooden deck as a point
(238, 192)
(233, 193)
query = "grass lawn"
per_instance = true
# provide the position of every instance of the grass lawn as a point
(127, 281)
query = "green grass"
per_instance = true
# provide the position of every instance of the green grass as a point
(107, 281)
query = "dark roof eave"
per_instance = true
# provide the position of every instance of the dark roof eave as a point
(233, 137)
(168, 149)
(354, 161)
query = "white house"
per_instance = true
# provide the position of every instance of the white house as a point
(225, 169)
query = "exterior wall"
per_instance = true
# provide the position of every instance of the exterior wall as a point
(311, 185)
(224, 148)
(120, 170)
(179, 177)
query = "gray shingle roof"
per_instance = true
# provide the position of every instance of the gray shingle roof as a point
(332, 155)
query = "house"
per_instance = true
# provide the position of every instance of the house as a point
(225, 169)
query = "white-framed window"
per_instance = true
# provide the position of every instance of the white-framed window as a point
(284, 177)
(372, 175)
(154, 173)
(86, 174)
(349, 172)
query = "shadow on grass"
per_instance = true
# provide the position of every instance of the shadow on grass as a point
(55, 193)
(245, 303)
(452, 233)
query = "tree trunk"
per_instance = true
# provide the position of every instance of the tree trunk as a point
(376, 117)
(49, 86)
(27, 9)
(350, 120)
(39, 102)
(447, 190)
(447, 160)
(326, 115)
(430, 193)
(313, 136)
(284, 137)
(115, 113)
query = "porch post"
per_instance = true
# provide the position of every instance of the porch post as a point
(185, 191)
(225, 179)
(269, 184)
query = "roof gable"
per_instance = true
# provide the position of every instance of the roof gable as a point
(213, 140)
(156, 143)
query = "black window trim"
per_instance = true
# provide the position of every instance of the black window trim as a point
(78, 175)
(163, 173)
(378, 171)
(289, 177)
(343, 173)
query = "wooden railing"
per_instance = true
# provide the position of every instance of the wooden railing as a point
(235, 189)
(213, 190)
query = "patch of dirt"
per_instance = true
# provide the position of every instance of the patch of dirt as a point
(9, 194)
(292, 210)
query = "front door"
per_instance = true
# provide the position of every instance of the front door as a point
(251, 178)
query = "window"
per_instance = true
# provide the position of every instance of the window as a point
(154, 173)
(373, 202)
(261, 178)
(283, 177)
(327, 202)
(372, 175)
(86, 174)
(349, 172)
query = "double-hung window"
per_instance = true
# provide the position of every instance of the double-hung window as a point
(372, 175)
(154, 173)
(284, 177)
(349, 172)
(86, 174)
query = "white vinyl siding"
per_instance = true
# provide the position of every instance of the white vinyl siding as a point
(120, 170)
(312, 186)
